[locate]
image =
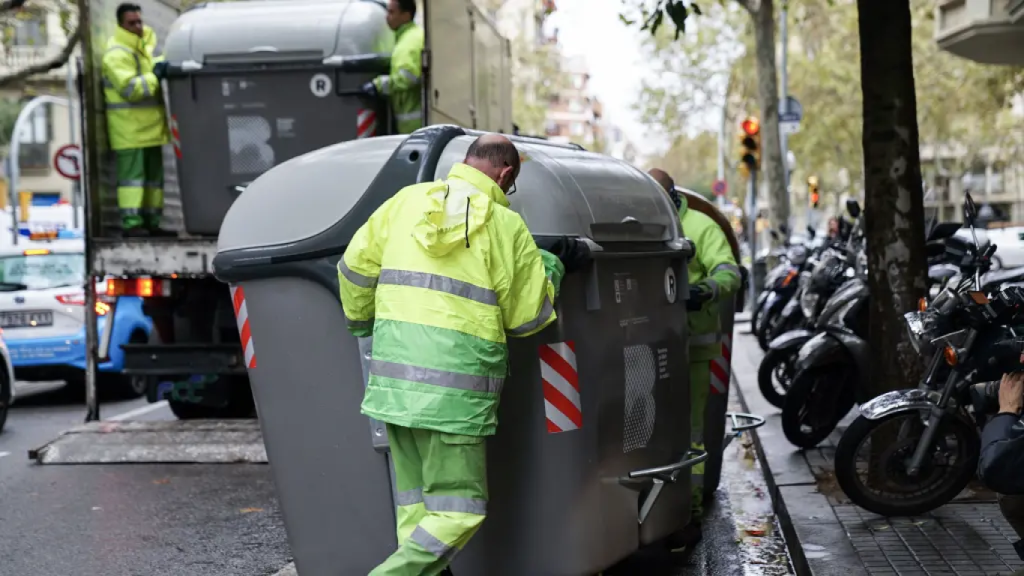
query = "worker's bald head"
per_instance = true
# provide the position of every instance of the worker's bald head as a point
(663, 178)
(497, 157)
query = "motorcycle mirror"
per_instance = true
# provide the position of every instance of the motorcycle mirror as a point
(970, 209)
(853, 208)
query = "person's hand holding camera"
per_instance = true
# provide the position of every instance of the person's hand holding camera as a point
(1011, 392)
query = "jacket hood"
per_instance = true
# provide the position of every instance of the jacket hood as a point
(456, 208)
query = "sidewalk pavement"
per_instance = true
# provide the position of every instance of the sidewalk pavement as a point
(827, 535)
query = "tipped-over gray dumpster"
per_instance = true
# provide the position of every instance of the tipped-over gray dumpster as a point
(592, 453)
(247, 94)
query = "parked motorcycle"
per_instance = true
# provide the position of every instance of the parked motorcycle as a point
(911, 451)
(780, 285)
(835, 267)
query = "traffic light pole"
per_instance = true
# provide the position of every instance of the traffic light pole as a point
(752, 238)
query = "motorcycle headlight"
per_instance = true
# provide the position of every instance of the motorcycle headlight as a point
(917, 328)
(809, 303)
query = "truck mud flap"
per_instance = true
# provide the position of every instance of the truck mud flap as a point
(174, 442)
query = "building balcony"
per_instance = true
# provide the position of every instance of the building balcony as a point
(985, 31)
(15, 58)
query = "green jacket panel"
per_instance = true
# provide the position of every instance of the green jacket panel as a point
(713, 268)
(404, 84)
(439, 276)
(135, 108)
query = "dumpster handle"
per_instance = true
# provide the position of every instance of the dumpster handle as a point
(669, 472)
(738, 429)
(662, 475)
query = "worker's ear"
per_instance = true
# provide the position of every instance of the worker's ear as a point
(506, 177)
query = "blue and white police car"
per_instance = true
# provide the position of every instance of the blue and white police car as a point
(42, 314)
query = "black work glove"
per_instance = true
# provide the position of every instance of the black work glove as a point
(698, 296)
(160, 69)
(573, 253)
(370, 89)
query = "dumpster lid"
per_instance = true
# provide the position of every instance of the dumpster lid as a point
(564, 190)
(306, 195)
(310, 206)
(261, 31)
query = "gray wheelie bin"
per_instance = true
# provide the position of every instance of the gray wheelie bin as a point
(578, 481)
(715, 415)
(253, 84)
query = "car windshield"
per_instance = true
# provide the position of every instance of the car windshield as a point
(41, 271)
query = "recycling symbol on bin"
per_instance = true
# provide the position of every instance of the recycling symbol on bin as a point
(670, 285)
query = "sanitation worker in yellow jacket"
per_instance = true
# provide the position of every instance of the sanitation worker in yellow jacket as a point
(136, 120)
(714, 276)
(404, 85)
(439, 276)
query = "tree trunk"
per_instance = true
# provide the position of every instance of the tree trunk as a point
(894, 204)
(772, 162)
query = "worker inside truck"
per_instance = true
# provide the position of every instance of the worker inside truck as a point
(136, 121)
(402, 87)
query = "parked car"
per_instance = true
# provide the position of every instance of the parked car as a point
(42, 314)
(7, 390)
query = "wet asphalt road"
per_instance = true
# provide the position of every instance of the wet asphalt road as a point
(213, 520)
(137, 520)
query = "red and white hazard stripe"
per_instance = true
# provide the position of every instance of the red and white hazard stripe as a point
(175, 136)
(242, 319)
(721, 366)
(558, 373)
(366, 123)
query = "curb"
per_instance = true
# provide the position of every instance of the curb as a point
(288, 570)
(796, 550)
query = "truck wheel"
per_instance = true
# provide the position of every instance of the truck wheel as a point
(240, 404)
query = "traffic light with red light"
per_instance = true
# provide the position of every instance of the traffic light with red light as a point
(812, 191)
(750, 142)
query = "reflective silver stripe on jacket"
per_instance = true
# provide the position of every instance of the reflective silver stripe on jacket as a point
(355, 277)
(409, 75)
(704, 339)
(455, 504)
(714, 287)
(145, 103)
(129, 184)
(443, 378)
(431, 544)
(129, 211)
(383, 84)
(414, 115)
(725, 266)
(409, 497)
(439, 284)
(545, 312)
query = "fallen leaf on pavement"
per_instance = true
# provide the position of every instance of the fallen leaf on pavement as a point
(248, 510)
(161, 481)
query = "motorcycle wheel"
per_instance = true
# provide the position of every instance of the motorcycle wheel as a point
(765, 328)
(775, 375)
(816, 401)
(897, 494)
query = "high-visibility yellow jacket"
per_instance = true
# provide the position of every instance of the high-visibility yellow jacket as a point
(439, 275)
(135, 108)
(404, 84)
(713, 267)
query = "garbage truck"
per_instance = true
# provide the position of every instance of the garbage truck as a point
(252, 84)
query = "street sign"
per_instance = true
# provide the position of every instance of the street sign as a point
(789, 121)
(719, 187)
(68, 161)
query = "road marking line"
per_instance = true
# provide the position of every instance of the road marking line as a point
(138, 411)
